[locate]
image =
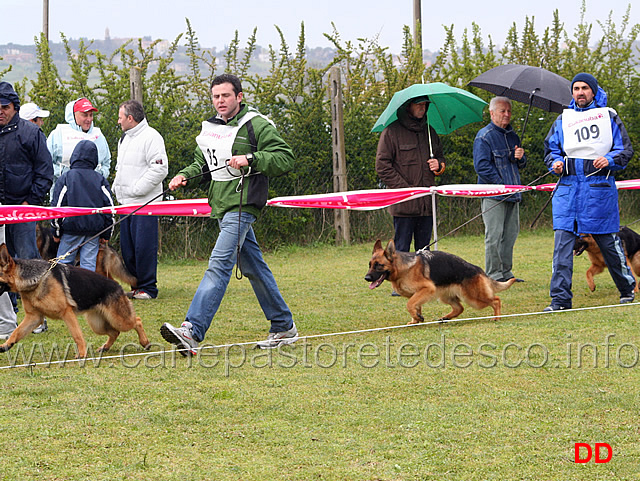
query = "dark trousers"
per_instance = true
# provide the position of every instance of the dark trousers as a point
(417, 228)
(139, 245)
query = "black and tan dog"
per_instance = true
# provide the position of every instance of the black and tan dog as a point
(630, 243)
(108, 263)
(422, 277)
(62, 291)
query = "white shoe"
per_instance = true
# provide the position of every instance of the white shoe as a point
(274, 339)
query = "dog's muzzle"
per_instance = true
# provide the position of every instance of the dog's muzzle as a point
(376, 278)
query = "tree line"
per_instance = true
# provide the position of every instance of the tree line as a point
(294, 95)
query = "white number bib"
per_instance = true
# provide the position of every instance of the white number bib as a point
(587, 135)
(216, 142)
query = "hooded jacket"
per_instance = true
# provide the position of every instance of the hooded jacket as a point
(272, 157)
(493, 158)
(401, 161)
(586, 199)
(55, 143)
(26, 172)
(82, 186)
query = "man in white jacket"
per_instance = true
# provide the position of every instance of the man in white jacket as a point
(141, 167)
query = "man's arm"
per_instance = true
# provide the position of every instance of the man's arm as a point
(385, 157)
(484, 164)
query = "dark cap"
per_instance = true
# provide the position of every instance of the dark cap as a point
(8, 95)
(419, 100)
(587, 78)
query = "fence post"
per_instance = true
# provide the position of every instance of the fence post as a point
(341, 216)
(135, 82)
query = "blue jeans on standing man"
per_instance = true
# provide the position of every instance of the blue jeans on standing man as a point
(213, 286)
(418, 228)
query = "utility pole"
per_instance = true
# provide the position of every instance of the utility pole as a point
(417, 25)
(135, 83)
(45, 19)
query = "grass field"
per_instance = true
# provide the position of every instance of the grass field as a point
(468, 400)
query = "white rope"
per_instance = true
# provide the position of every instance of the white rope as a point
(313, 336)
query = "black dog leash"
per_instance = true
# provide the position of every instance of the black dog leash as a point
(55, 260)
(420, 251)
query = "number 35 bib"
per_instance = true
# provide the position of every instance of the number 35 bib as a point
(587, 135)
(216, 142)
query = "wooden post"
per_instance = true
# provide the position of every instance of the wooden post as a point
(135, 81)
(341, 216)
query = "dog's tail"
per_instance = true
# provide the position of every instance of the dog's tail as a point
(503, 286)
(114, 267)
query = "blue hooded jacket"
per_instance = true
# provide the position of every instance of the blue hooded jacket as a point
(82, 186)
(586, 199)
(26, 172)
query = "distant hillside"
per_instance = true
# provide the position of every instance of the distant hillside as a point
(23, 62)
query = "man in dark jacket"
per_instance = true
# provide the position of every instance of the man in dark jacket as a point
(82, 186)
(497, 159)
(26, 170)
(410, 155)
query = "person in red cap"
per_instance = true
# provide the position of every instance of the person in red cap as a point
(64, 138)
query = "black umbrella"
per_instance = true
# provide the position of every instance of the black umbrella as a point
(534, 86)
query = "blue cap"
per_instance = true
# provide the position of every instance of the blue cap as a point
(587, 78)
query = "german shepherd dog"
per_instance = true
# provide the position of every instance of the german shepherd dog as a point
(108, 263)
(630, 243)
(421, 277)
(62, 291)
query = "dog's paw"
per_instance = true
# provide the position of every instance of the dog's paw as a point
(5, 347)
(413, 321)
(147, 347)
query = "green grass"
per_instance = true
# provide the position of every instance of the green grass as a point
(505, 400)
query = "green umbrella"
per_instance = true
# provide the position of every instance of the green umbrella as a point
(449, 107)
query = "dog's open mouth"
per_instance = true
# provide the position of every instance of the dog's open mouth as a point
(379, 280)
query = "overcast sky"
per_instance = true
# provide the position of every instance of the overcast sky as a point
(215, 21)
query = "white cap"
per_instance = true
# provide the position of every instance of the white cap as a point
(31, 111)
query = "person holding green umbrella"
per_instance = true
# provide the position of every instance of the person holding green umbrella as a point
(410, 155)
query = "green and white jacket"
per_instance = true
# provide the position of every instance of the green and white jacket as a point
(218, 140)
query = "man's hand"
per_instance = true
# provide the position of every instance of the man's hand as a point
(177, 181)
(434, 165)
(518, 153)
(601, 163)
(558, 166)
(238, 161)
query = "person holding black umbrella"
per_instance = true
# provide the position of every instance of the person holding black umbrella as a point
(585, 146)
(497, 159)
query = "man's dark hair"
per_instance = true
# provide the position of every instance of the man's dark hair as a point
(133, 108)
(228, 78)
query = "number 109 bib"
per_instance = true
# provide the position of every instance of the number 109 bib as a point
(587, 135)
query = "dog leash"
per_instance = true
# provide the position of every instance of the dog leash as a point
(426, 248)
(56, 260)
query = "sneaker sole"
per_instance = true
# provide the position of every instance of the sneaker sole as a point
(172, 338)
(275, 343)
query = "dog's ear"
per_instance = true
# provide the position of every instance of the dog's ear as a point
(377, 246)
(390, 250)
(5, 257)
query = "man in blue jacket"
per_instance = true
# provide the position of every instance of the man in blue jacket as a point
(26, 170)
(586, 145)
(497, 159)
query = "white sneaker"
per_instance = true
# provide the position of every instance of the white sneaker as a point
(41, 328)
(274, 339)
(182, 337)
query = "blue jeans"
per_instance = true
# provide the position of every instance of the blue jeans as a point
(21, 240)
(561, 277)
(210, 292)
(88, 252)
(139, 245)
(417, 228)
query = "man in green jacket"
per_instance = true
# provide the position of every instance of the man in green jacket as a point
(239, 148)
